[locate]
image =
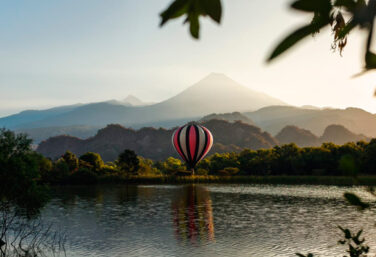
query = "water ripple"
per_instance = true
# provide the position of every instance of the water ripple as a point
(213, 220)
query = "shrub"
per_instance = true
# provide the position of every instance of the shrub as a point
(232, 170)
(108, 169)
(201, 172)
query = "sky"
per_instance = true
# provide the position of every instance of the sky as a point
(61, 52)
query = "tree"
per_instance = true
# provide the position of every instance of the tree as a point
(218, 162)
(128, 161)
(71, 160)
(19, 171)
(59, 173)
(318, 160)
(21, 197)
(342, 16)
(285, 159)
(369, 160)
(93, 161)
(146, 167)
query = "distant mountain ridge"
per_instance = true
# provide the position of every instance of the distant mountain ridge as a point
(301, 136)
(214, 93)
(24, 117)
(336, 134)
(156, 143)
(214, 97)
(274, 118)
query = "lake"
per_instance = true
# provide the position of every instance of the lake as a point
(206, 220)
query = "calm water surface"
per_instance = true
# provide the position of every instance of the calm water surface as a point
(213, 220)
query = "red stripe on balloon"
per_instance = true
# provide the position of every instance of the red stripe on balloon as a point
(192, 141)
(176, 143)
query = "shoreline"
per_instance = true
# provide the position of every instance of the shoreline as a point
(210, 179)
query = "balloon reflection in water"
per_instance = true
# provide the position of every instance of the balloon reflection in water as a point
(193, 214)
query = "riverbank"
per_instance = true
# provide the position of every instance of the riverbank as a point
(287, 180)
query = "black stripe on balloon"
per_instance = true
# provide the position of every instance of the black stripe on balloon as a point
(197, 144)
(188, 146)
(179, 144)
(206, 142)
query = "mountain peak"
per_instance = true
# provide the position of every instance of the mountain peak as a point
(299, 136)
(132, 100)
(216, 79)
(339, 134)
(217, 93)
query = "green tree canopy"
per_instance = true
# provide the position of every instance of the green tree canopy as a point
(71, 160)
(93, 160)
(19, 172)
(128, 161)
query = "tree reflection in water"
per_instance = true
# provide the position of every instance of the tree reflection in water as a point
(193, 215)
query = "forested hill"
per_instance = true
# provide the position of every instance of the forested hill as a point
(336, 134)
(156, 143)
(299, 136)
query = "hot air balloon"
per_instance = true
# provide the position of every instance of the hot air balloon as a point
(192, 142)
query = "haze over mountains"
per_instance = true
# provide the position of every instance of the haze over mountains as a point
(275, 118)
(130, 100)
(231, 117)
(214, 93)
(214, 97)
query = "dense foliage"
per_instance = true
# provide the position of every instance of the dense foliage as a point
(21, 197)
(128, 161)
(350, 159)
(329, 159)
(22, 170)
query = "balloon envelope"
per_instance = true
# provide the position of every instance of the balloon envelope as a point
(192, 142)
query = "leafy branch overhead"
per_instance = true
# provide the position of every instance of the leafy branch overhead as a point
(342, 16)
(193, 9)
